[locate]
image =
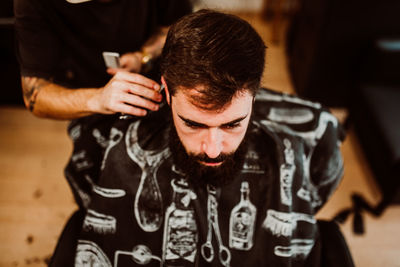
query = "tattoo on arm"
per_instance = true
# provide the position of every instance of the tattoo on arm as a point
(30, 89)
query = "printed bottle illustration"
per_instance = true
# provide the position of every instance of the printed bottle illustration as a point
(242, 220)
(180, 230)
(286, 173)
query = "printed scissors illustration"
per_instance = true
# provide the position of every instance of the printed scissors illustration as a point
(207, 250)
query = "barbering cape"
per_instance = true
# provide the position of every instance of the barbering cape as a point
(141, 210)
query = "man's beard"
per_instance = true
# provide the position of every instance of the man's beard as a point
(200, 174)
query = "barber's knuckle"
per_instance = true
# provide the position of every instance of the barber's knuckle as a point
(133, 89)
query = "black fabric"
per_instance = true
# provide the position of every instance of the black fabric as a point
(375, 118)
(381, 63)
(138, 202)
(64, 252)
(334, 249)
(383, 104)
(64, 41)
(11, 93)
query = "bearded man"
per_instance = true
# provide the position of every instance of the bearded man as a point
(223, 174)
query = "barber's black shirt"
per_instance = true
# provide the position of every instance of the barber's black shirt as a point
(64, 42)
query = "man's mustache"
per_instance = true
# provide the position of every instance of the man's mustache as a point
(204, 158)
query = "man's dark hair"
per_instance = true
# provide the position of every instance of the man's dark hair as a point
(220, 53)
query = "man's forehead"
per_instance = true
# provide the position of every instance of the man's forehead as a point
(192, 94)
(239, 107)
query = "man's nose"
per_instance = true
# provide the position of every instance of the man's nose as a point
(212, 143)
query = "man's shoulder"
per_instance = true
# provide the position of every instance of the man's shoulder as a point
(276, 98)
(290, 114)
(284, 108)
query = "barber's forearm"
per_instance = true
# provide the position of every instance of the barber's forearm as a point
(128, 93)
(48, 100)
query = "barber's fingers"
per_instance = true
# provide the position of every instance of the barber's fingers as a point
(127, 104)
(137, 79)
(142, 91)
(126, 90)
(121, 87)
(131, 110)
(115, 98)
(139, 102)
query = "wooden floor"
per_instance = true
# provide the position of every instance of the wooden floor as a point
(35, 200)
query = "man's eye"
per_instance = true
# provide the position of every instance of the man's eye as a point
(231, 125)
(193, 125)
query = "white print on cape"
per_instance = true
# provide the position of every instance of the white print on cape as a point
(264, 95)
(286, 173)
(100, 139)
(283, 223)
(298, 248)
(81, 160)
(85, 198)
(148, 193)
(140, 254)
(308, 191)
(242, 221)
(207, 249)
(251, 163)
(115, 138)
(89, 253)
(99, 223)
(180, 229)
(311, 138)
(105, 192)
(75, 132)
(291, 115)
(178, 171)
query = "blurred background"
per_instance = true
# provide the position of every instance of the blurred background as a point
(344, 54)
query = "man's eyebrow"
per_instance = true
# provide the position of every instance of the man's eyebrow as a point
(235, 121)
(202, 125)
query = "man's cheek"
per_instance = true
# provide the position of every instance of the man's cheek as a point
(190, 146)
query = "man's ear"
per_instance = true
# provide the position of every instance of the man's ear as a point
(167, 95)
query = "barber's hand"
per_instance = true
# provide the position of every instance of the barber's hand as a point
(131, 62)
(128, 93)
